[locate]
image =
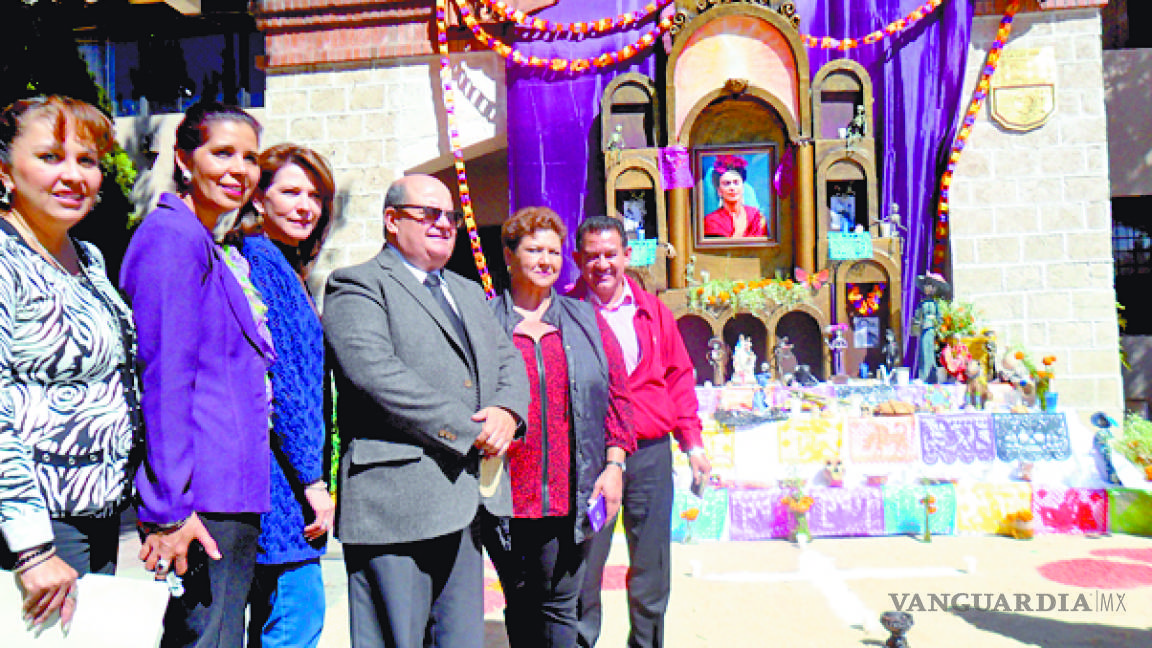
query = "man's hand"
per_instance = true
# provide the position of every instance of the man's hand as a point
(701, 469)
(48, 588)
(321, 502)
(163, 551)
(611, 484)
(497, 432)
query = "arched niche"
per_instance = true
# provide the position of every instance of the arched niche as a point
(629, 106)
(842, 171)
(696, 331)
(634, 191)
(837, 89)
(805, 333)
(854, 281)
(737, 46)
(752, 326)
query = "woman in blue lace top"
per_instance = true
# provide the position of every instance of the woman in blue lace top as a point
(294, 203)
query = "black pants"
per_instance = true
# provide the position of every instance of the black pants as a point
(417, 594)
(541, 577)
(647, 511)
(86, 544)
(210, 614)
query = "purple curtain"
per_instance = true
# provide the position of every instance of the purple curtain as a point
(553, 128)
(553, 119)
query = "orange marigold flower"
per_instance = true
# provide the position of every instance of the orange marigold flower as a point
(1019, 355)
(691, 514)
(1049, 360)
(699, 291)
(724, 296)
(740, 286)
(788, 284)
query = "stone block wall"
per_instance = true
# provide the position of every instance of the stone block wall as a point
(1031, 221)
(374, 122)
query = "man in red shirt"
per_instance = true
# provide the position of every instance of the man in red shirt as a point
(664, 401)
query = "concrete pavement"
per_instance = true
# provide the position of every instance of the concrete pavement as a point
(832, 591)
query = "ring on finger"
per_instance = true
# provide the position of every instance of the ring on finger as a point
(162, 565)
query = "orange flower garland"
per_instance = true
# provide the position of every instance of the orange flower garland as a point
(573, 66)
(891, 29)
(457, 152)
(940, 232)
(577, 28)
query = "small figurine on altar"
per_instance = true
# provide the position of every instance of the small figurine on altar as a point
(990, 351)
(1013, 371)
(977, 394)
(837, 344)
(924, 323)
(785, 360)
(955, 358)
(744, 362)
(891, 351)
(616, 139)
(690, 271)
(718, 358)
(857, 127)
(765, 375)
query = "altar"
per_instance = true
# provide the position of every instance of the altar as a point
(869, 475)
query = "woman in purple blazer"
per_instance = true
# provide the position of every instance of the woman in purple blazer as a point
(205, 352)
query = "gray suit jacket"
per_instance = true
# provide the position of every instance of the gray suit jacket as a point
(406, 398)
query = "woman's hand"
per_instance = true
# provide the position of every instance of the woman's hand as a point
(324, 508)
(49, 587)
(164, 550)
(611, 484)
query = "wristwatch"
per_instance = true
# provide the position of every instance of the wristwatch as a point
(618, 464)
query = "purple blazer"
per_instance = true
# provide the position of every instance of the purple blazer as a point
(203, 367)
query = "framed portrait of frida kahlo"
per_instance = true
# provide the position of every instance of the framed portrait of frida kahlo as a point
(735, 202)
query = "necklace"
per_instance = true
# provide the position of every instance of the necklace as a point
(35, 244)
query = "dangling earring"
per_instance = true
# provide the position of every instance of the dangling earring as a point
(187, 175)
(5, 197)
(99, 197)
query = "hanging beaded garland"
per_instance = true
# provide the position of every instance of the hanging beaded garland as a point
(457, 152)
(940, 231)
(891, 29)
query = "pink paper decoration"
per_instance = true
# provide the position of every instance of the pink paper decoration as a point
(1060, 509)
(883, 440)
(675, 167)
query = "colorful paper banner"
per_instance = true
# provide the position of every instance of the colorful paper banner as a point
(883, 439)
(758, 514)
(711, 513)
(1130, 511)
(846, 512)
(983, 507)
(1031, 437)
(1059, 509)
(949, 438)
(813, 440)
(904, 514)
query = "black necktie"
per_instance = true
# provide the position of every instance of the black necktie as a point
(432, 283)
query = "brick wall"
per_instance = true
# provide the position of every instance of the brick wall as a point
(1031, 223)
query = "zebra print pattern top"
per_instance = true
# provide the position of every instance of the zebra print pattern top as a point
(65, 426)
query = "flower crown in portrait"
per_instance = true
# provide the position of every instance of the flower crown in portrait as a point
(726, 163)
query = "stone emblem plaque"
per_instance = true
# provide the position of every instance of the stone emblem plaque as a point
(1022, 95)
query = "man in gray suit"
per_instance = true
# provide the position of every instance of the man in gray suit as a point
(428, 384)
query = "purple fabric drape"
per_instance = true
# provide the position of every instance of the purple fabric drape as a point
(553, 119)
(917, 80)
(553, 135)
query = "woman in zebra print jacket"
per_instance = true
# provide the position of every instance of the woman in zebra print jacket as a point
(67, 357)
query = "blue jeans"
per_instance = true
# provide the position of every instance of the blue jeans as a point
(287, 606)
